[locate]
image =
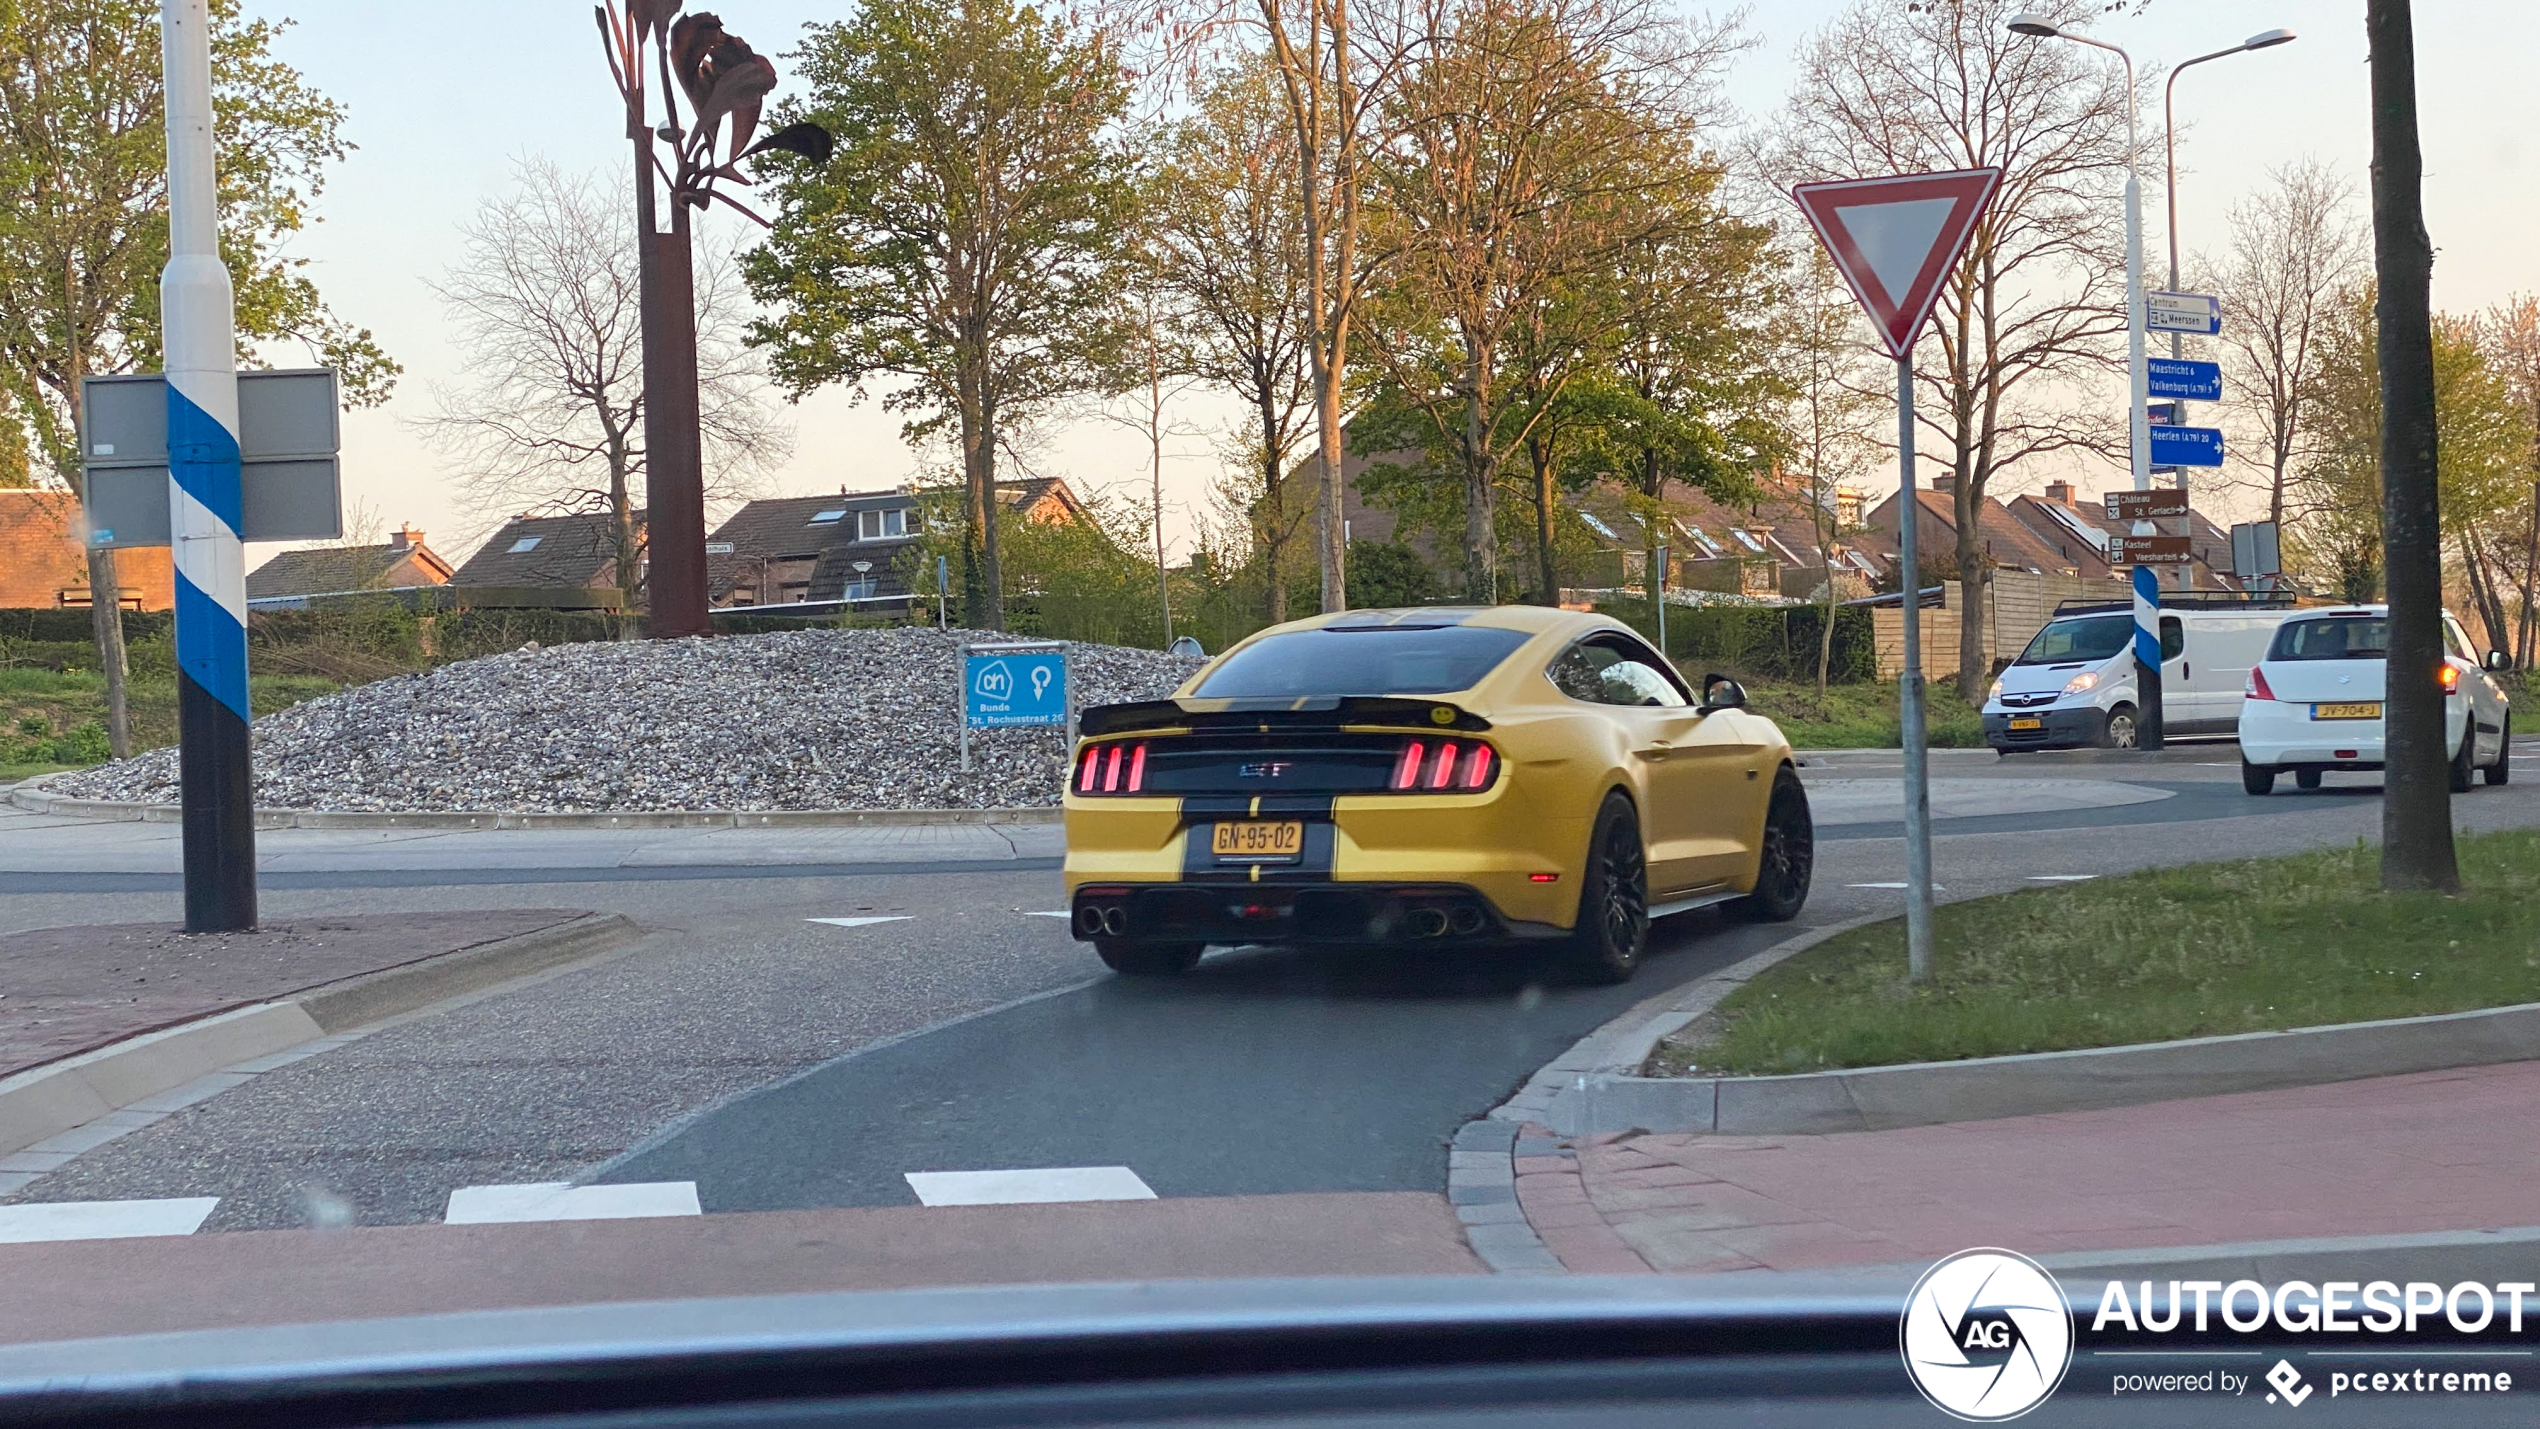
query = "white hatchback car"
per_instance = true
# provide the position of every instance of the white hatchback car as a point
(2315, 702)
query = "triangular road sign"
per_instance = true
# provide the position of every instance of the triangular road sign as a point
(1895, 239)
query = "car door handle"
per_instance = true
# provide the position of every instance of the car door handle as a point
(1655, 749)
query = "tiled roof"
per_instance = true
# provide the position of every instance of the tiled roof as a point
(323, 570)
(569, 551)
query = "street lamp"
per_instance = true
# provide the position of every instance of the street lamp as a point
(2138, 416)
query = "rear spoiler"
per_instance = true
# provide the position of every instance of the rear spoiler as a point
(1329, 712)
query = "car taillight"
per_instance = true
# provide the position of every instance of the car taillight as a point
(1112, 768)
(2450, 676)
(1448, 766)
(2256, 687)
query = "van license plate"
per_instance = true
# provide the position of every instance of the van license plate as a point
(2027, 722)
(1258, 841)
(2365, 710)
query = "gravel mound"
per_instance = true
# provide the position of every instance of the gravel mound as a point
(812, 719)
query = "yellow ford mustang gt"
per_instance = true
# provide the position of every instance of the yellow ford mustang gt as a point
(1430, 776)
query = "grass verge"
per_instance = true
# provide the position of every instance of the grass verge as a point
(2201, 951)
(52, 719)
(1864, 716)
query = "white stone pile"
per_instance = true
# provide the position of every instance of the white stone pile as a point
(814, 719)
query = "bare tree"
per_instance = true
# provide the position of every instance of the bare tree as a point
(2296, 245)
(1900, 86)
(1153, 371)
(1531, 144)
(1231, 238)
(1834, 410)
(550, 418)
(2510, 332)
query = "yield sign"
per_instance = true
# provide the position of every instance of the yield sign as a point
(1896, 238)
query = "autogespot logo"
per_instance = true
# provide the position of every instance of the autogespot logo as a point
(1986, 1335)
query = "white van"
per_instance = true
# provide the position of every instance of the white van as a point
(2074, 684)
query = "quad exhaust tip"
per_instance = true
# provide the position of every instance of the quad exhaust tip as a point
(1101, 919)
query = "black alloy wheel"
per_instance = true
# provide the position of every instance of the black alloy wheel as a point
(1613, 925)
(1790, 854)
(1148, 959)
(2119, 731)
(2462, 772)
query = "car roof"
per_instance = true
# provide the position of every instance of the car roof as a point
(1531, 618)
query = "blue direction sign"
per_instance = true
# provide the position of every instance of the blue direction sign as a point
(1004, 686)
(2195, 381)
(2182, 312)
(2187, 446)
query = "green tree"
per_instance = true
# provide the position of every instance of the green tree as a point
(83, 226)
(964, 239)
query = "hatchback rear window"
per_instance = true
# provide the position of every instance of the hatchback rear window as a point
(2354, 637)
(1363, 660)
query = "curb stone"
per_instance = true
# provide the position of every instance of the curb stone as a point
(31, 796)
(45, 1101)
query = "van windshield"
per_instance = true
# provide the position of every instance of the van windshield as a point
(2350, 638)
(2087, 637)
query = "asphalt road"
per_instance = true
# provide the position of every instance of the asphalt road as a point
(781, 1063)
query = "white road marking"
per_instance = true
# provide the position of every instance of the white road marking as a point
(2061, 877)
(1030, 1187)
(1047, 913)
(103, 1220)
(1936, 888)
(860, 922)
(564, 1201)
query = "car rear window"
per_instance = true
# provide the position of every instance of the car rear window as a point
(2353, 637)
(2094, 637)
(1363, 660)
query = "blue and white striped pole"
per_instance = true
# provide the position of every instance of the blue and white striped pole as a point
(2147, 657)
(197, 321)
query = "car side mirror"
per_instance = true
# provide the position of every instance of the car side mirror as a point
(2498, 662)
(1719, 692)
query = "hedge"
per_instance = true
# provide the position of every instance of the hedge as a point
(1762, 642)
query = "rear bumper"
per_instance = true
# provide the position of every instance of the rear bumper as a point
(1440, 913)
(2066, 728)
(2283, 734)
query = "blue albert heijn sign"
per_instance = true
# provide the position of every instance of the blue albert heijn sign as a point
(2177, 377)
(2186, 446)
(1019, 683)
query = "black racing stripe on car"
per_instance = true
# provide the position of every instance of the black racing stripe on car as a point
(1215, 806)
(1314, 863)
(1294, 806)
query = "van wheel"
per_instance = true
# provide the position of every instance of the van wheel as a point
(2461, 766)
(2503, 768)
(2257, 778)
(2306, 778)
(1613, 923)
(2118, 731)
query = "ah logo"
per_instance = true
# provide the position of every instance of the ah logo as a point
(996, 682)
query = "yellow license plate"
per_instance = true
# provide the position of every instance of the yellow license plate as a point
(2027, 722)
(1258, 841)
(2366, 710)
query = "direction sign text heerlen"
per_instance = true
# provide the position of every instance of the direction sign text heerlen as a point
(1894, 239)
(2146, 550)
(2146, 505)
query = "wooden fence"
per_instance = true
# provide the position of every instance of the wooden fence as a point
(2017, 603)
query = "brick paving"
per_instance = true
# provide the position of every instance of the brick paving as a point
(2433, 1151)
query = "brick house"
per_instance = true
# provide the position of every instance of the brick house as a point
(44, 565)
(565, 555)
(848, 548)
(403, 562)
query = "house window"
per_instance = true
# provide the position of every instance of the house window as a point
(861, 588)
(1747, 541)
(1598, 526)
(829, 518)
(525, 544)
(882, 525)
(1702, 539)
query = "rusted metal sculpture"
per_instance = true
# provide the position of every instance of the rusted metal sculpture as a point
(724, 82)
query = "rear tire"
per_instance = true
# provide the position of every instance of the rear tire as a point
(2256, 778)
(1789, 855)
(2503, 768)
(2118, 730)
(1613, 923)
(2463, 770)
(2306, 778)
(1148, 959)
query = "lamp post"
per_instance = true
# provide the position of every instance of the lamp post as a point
(2147, 635)
(2264, 40)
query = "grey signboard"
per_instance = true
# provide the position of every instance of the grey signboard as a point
(287, 440)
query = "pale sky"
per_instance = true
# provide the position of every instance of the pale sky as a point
(442, 97)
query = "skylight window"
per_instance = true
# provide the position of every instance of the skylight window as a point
(525, 544)
(1747, 541)
(827, 518)
(1598, 526)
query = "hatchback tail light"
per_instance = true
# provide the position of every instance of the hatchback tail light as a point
(2256, 686)
(1458, 766)
(1116, 768)
(2450, 678)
